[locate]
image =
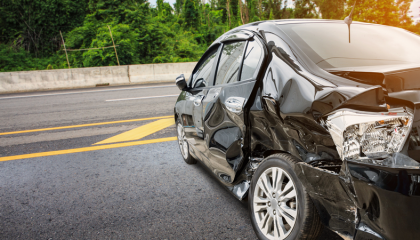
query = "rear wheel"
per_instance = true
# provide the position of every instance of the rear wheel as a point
(183, 145)
(280, 207)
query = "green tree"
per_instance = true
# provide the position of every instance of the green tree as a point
(234, 10)
(34, 25)
(123, 37)
(331, 9)
(190, 13)
(386, 12)
(305, 9)
(30, 39)
(178, 5)
(274, 9)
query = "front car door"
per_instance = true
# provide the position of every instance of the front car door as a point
(189, 103)
(222, 111)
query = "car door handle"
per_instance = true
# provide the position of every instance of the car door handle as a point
(235, 104)
(198, 100)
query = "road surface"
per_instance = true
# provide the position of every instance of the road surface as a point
(70, 168)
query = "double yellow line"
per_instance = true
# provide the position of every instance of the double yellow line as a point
(86, 149)
(131, 135)
(83, 125)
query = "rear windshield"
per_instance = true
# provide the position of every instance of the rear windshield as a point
(327, 44)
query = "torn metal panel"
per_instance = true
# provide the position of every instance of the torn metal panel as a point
(388, 199)
(240, 190)
(364, 232)
(334, 206)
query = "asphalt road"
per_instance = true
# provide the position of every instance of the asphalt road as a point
(140, 191)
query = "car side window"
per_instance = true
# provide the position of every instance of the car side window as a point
(230, 62)
(200, 78)
(252, 61)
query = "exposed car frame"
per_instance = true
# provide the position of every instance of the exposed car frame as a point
(294, 107)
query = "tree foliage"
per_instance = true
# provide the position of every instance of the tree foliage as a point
(35, 25)
(30, 29)
(305, 9)
(387, 12)
(331, 9)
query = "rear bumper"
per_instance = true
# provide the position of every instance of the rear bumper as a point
(388, 201)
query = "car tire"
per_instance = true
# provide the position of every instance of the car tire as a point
(183, 144)
(295, 216)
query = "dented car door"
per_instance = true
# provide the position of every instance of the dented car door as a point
(223, 107)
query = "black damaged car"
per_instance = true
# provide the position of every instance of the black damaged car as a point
(315, 122)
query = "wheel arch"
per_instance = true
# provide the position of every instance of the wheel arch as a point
(311, 211)
(297, 169)
(176, 117)
(268, 153)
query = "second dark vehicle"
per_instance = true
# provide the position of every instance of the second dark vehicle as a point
(314, 128)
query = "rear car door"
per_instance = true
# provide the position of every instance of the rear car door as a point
(222, 108)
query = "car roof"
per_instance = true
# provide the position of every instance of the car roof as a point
(309, 65)
(302, 20)
(313, 20)
(254, 25)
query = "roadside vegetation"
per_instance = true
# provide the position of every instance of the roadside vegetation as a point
(30, 29)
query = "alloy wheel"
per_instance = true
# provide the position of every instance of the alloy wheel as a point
(275, 204)
(182, 141)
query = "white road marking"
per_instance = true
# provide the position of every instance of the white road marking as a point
(66, 93)
(126, 99)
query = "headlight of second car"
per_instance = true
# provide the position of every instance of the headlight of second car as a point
(369, 135)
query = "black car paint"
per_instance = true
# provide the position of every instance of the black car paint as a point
(284, 113)
(223, 137)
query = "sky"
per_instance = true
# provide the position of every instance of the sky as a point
(415, 7)
(153, 2)
(415, 10)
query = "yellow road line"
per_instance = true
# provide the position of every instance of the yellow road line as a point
(140, 132)
(86, 149)
(84, 125)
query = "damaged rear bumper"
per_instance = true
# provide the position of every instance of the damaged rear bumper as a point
(366, 200)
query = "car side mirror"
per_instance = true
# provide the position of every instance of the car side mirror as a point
(181, 83)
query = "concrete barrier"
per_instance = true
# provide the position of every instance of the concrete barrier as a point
(164, 72)
(90, 77)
